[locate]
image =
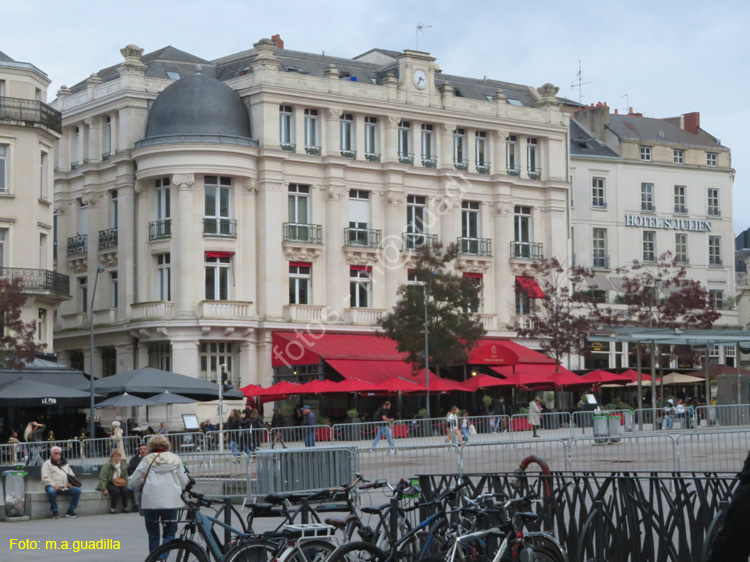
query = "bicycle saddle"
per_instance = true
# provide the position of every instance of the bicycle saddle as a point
(527, 516)
(278, 498)
(340, 522)
(375, 510)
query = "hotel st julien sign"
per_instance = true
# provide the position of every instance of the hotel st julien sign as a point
(668, 223)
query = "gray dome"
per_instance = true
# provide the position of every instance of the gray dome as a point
(198, 105)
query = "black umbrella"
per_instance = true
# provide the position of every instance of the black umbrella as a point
(148, 380)
(167, 397)
(25, 392)
(121, 400)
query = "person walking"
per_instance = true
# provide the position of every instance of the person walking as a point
(55, 477)
(232, 428)
(308, 418)
(454, 436)
(277, 428)
(499, 410)
(245, 423)
(668, 421)
(256, 429)
(113, 482)
(383, 418)
(732, 542)
(535, 414)
(160, 477)
(33, 435)
(465, 426)
(117, 436)
(132, 466)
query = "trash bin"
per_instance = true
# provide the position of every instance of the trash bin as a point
(14, 491)
(601, 432)
(613, 424)
(629, 420)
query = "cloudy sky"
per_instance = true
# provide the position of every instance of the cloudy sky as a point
(662, 57)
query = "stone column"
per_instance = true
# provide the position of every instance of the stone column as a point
(125, 360)
(246, 266)
(270, 258)
(332, 144)
(336, 274)
(503, 281)
(91, 150)
(449, 210)
(263, 344)
(389, 142)
(188, 261)
(97, 367)
(393, 257)
(249, 360)
(128, 262)
(498, 151)
(185, 358)
(445, 134)
(142, 359)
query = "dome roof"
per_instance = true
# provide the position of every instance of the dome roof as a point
(198, 105)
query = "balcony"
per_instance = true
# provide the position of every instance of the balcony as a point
(288, 146)
(74, 165)
(38, 280)
(363, 316)
(107, 238)
(306, 233)
(513, 171)
(526, 250)
(362, 237)
(31, 112)
(372, 156)
(348, 153)
(489, 321)
(157, 310)
(523, 321)
(415, 240)
(78, 245)
(600, 262)
(106, 156)
(406, 158)
(680, 210)
(429, 161)
(220, 228)
(227, 309)
(313, 150)
(160, 229)
(304, 313)
(461, 165)
(535, 173)
(483, 168)
(475, 246)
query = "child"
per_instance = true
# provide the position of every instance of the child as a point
(465, 425)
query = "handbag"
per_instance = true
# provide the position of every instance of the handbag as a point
(73, 480)
(120, 482)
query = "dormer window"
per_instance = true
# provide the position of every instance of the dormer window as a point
(173, 75)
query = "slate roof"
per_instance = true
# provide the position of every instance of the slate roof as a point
(3, 56)
(580, 136)
(629, 127)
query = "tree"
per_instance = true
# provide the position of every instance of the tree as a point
(560, 319)
(453, 331)
(17, 338)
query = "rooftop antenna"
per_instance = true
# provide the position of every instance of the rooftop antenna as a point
(420, 29)
(627, 102)
(580, 83)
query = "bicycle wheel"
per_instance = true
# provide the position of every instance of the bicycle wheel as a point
(380, 538)
(358, 552)
(251, 552)
(547, 549)
(178, 551)
(308, 551)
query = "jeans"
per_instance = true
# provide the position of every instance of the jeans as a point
(168, 519)
(75, 494)
(465, 434)
(235, 449)
(310, 438)
(383, 431)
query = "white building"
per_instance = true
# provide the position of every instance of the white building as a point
(273, 190)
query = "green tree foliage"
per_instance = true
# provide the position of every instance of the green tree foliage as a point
(17, 338)
(453, 330)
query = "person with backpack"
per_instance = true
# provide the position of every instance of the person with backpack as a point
(383, 419)
(308, 418)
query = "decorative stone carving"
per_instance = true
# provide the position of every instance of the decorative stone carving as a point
(548, 92)
(390, 79)
(336, 192)
(473, 265)
(503, 208)
(91, 198)
(265, 60)
(265, 46)
(499, 96)
(93, 80)
(62, 207)
(183, 180)
(301, 252)
(361, 256)
(394, 198)
(132, 65)
(90, 122)
(334, 113)
(78, 265)
(139, 187)
(445, 203)
(331, 71)
(63, 91)
(250, 185)
(393, 122)
(131, 51)
(109, 259)
(448, 128)
(499, 136)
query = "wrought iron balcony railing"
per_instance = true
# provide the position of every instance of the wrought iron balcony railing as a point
(307, 233)
(108, 238)
(460, 164)
(39, 279)
(513, 171)
(32, 112)
(313, 150)
(226, 228)
(348, 153)
(483, 167)
(526, 250)
(372, 156)
(475, 246)
(160, 229)
(601, 262)
(78, 245)
(414, 240)
(406, 158)
(429, 161)
(535, 173)
(363, 237)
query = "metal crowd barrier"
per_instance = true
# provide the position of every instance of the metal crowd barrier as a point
(219, 474)
(35, 453)
(294, 436)
(102, 447)
(584, 420)
(190, 441)
(245, 440)
(731, 415)
(559, 422)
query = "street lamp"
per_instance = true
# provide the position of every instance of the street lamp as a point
(92, 428)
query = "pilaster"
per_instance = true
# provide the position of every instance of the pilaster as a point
(185, 266)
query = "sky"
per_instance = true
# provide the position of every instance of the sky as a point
(663, 58)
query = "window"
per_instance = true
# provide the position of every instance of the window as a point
(412, 278)
(218, 205)
(512, 101)
(217, 278)
(404, 146)
(678, 156)
(599, 247)
(160, 356)
(83, 217)
(371, 138)
(476, 280)
(470, 243)
(346, 124)
(162, 227)
(511, 148)
(4, 154)
(213, 356)
(716, 298)
(83, 294)
(164, 277)
(360, 281)
(480, 149)
(312, 131)
(680, 199)
(523, 303)
(712, 159)
(113, 208)
(285, 127)
(428, 145)
(359, 217)
(42, 250)
(43, 174)
(299, 282)
(113, 288)
(598, 199)
(646, 153)
(77, 145)
(713, 202)
(647, 197)
(532, 156)
(649, 245)
(714, 250)
(680, 248)
(299, 204)
(109, 361)
(3, 250)
(107, 135)
(459, 149)
(173, 75)
(41, 324)
(415, 227)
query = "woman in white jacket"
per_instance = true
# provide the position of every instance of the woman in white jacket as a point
(161, 477)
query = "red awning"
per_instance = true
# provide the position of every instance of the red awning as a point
(539, 374)
(308, 348)
(317, 387)
(484, 381)
(504, 352)
(300, 264)
(600, 376)
(374, 372)
(219, 254)
(530, 287)
(398, 385)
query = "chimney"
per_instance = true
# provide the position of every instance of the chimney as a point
(691, 122)
(595, 118)
(278, 40)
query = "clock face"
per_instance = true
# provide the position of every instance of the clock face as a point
(420, 79)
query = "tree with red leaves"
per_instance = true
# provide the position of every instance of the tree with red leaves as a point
(17, 338)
